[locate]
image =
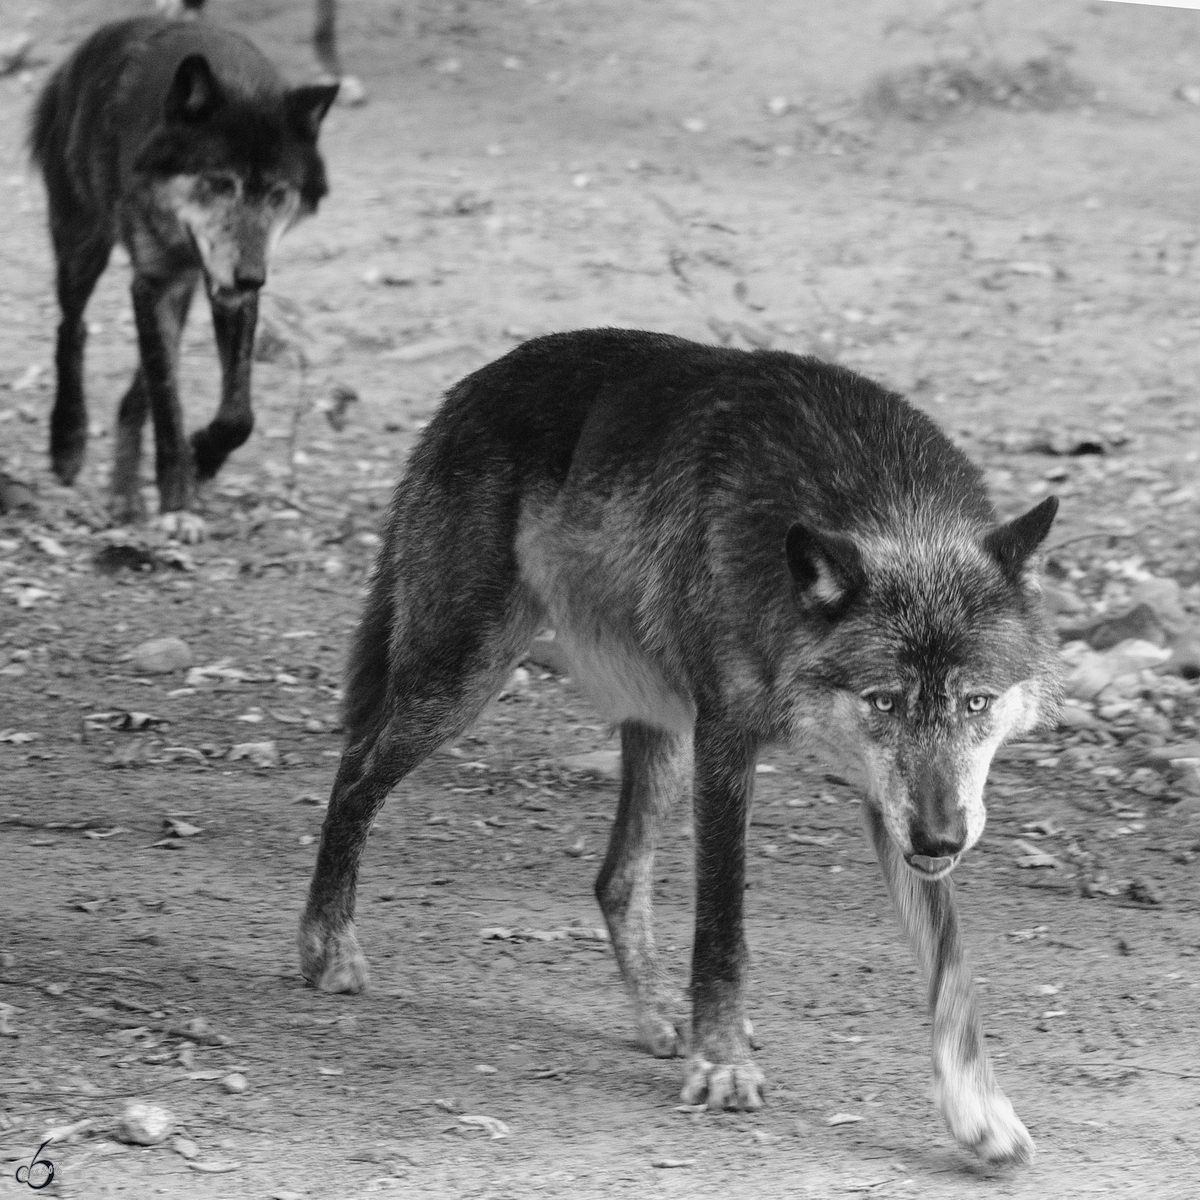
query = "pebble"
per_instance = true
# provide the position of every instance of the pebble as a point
(235, 1084)
(145, 1124)
(260, 754)
(160, 656)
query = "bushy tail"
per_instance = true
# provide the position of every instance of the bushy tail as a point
(42, 123)
(366, 682)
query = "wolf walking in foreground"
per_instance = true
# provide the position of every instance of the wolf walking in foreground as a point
(736, 549)
(180, 141)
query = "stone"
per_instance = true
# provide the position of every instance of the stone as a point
(1165, 597)
(260, 754)
(145, 1124)
(1140, 623)
(160, 656)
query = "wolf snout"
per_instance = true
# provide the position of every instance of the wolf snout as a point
(936, 849)
(249, 279)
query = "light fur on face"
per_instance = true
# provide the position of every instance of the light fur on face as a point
(847, 740)
(227, 228)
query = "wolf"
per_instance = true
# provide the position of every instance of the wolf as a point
(180, 141)
(736, 549)
(325, 43)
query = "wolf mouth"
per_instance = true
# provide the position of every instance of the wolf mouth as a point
(932, 868)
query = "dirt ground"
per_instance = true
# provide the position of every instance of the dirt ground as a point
(886, 183)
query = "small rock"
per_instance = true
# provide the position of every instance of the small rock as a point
(145, 1124)
(185, 1147)
(1140, 623)
(235, 1084)
(15, 496)
(260, 754)
(1162, 757)
(160, 656)
(1165, 598)
(1185, 657)
(1142, 891)
(1149, 721)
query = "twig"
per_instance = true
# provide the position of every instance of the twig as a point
(1083, 537)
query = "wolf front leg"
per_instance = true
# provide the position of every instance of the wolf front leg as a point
(976, 1111)
(234, 324)
(719, 1070)
(160, 308)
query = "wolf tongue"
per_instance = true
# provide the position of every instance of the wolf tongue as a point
(924, 863)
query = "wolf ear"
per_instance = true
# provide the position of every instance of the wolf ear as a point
(195, 92)
(1012, 545)
(826, 567)
(307, 107)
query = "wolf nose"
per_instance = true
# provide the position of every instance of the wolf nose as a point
(941, 843)
(249, 279)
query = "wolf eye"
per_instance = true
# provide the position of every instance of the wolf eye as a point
(978, 704)
(277, 197)
(882, 702)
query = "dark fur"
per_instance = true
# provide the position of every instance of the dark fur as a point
(764, 546)
(139, 108)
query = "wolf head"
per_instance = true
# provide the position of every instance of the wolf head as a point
(935, 652)
(236, 171)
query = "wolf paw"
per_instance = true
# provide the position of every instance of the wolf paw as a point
(67, 460)
(332, 960)
(661, 1037)
(182, 526)
(985, 1123)
(127, 508)
(722, 1085)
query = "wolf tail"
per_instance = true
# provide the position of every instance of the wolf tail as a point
(42, 123)
(367, 673)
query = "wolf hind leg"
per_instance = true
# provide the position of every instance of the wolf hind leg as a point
(656, 769)
(976, 1111)
(398, 711)
(81, 261)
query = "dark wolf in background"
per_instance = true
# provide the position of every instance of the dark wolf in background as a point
(736, 549)
(181, 141)
(325, 43)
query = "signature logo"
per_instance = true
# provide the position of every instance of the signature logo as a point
(39, 1173)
